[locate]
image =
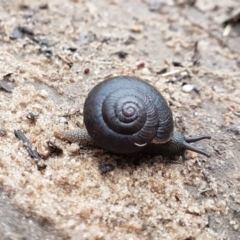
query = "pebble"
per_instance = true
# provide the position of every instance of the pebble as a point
(136, 29)
(42, 149)
(44, 93)
(146, 71)
(187, 88)
(3, 132)
(63, 120)
(218, 89)
(73, 148)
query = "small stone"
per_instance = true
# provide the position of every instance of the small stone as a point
(193, 155)
(146, 71)
(38, 108)
(63, 120)
(236, 226)
(3, 132)
(136, 29)
(74, 147)
(42, 149)
(7, 85)
(44, 93)
(194, 210)
(232, 222)
(187, 88)
(218, 89)
(237, 198)
(104, 168)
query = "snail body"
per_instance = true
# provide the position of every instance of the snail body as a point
(125, 115)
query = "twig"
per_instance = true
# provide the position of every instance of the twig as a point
(32, 152)
(196, 54)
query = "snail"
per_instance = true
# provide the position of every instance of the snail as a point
(125, 115)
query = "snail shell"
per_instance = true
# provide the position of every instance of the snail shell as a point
(123, 114)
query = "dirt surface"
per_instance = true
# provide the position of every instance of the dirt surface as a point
(14, 224)
(53, 53)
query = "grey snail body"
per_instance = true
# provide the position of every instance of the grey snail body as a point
(124, 115)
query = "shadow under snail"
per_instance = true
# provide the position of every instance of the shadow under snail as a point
(125, 115)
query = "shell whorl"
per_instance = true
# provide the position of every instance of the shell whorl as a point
(123, 114)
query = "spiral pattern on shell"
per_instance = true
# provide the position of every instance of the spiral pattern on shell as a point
(123, 114)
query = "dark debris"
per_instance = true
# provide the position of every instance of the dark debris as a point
(155, 6)
(86, 37)
(23, 7)
(21, 31)
(54, 149)
(72, 49)
(7, 85)
(3, 132)
(130, 40)
(104, 168)
(232, 20)
(234, 129)
(105, 40)
(122, 54)
(32, 117)
(47, 52)
(86, 71)
(196, 55)
(177, 64)
(44, 6)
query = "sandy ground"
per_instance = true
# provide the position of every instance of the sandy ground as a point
(53, 54)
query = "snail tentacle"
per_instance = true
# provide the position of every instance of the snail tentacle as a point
(198, 138)
(177, 145)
